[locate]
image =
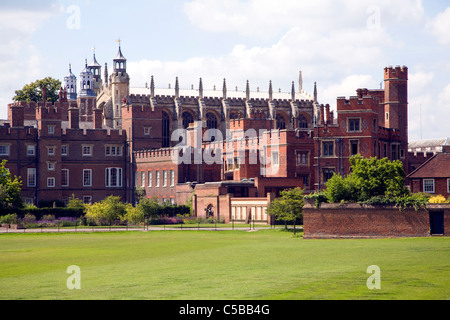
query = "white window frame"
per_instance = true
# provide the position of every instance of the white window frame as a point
(51, 166)
(275, 158)
(172, 178)
(51, 182)
(158, 177)
(150, 176)
(31, 172)
(85, 171)
(64, 150)
(51, 129)
(109, 181)
(51, 151)
(143, 179)
(426, 188)
(67, 178)
(164, 178)
(31, 150)
(85, 148)
(448, 185)
(5, 151)
(87, 199)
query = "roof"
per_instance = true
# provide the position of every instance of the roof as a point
(120, 55)
(438, 166)
(94, 62)
(428, 145)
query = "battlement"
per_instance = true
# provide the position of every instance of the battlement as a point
(138, 111)
(396, 73)
(164, 154)
(92, 134)
(362, 101)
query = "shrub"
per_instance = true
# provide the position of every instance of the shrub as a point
(438, 199)
(9, 218)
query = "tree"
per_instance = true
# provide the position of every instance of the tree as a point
(9, 189)
(369, 178)
(33, 91)
(146, 208)
(109, 209)
(288, 207)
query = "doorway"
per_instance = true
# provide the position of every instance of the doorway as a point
(436, 222)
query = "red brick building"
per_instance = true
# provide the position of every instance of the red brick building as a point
(110, 138)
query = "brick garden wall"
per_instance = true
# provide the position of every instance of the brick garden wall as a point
(354, 221)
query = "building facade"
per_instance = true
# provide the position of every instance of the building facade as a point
(104, 137)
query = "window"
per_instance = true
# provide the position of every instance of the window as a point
(143, 179)
(328, 149)
(172, 178)
(187, 119)
(31, 150)
(281, 123)
(31, 177)
(51, 166)
(327, 174)
(113, 150)
(428, 185)
(64, 177)
(305, 181)
(354, 146)
(165, 178)
(64, 150)
(29, 201)
(353, 125)
(303, 123)
(147, 131)
(157, 179)
(275, 158)
(51, 151)
(113, 177)
(51, 129)
(149, 179)
(87, 178)
(302, 158)
(4, 150)
(448, 185)
(87, 151)
(165, 130)
(50, 182)
(87, 199)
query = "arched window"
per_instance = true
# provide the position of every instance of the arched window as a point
(281, 123)
(165, 130)
(211, 121)
(187, 119)
(302, 123)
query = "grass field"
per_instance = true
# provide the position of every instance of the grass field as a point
(222, 265)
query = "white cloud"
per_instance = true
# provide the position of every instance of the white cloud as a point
(266, 18)
(440, 27)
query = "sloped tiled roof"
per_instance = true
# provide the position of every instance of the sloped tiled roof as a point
(437, 166)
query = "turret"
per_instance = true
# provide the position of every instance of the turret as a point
(70, 84)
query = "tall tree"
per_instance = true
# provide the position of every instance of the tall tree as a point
(9, 189)
(33, 91)
(288, 207)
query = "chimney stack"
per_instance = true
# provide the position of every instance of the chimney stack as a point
(74, 118)
(98, 119)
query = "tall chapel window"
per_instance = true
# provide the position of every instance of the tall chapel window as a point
(165, 130)
(187, 119)
(281, 123)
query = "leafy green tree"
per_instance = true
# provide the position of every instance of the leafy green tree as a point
(33, 91)
(369, 178)
(378, 177)
(288, 207)
(109, 209)
(9, 189)
(75, 203)
(146, 208)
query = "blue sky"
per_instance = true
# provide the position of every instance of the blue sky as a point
(341, 44)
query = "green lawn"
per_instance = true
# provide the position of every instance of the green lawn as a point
(220, 265)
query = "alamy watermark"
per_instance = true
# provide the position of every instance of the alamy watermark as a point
(374, 281)
(196, 146)
(73, 21)
(74, 280)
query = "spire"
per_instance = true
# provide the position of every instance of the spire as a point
(293, 91)
(315, 92)
(120, 63)
(224, 88)
(152, 88)
(177, 88)
(247, 91)
(270, 90)
(106, 73)
(200, 89)
(300, 82)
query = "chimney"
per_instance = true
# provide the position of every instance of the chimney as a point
(327, 108)
(16, 115)
(322, 114)
(98, 119)
(74, 118)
